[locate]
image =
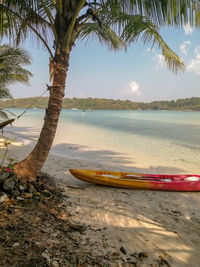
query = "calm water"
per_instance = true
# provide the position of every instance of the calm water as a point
(163, 140)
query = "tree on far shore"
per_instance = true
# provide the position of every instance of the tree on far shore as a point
(115, 23)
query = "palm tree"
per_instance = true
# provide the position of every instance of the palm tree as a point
(115, 23)
(11, 71)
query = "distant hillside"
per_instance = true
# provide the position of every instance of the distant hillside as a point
(106, 104)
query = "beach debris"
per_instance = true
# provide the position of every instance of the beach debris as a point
(17, 189)
(55, 263)
(140, 256)
(132, 263)
(176, 212)
(143, 255)
(45, 254)
(31, 188)
(3, 197)
(20, 198)
(16, 244)
(22, 187)
(163, 261)
(76, 227)
(123, 250)
(27, 195)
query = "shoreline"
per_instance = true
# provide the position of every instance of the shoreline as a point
(124, 221)
(143, 154)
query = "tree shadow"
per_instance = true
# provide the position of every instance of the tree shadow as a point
(163, 224)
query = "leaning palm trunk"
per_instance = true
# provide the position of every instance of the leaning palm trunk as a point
(32, 164)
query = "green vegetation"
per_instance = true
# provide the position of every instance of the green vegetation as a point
(12, 61)
(106, 104)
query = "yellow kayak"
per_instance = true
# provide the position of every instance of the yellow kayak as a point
(139, 180)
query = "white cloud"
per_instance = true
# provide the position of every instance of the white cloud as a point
(159, 61)
(184, 46)
(131, 90)
(194, 64)
(188, 29)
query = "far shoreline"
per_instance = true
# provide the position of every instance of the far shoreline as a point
(91, 110)
(84, 104)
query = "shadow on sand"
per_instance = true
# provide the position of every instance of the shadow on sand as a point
(163, 224)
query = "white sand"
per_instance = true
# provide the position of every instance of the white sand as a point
(163, 224)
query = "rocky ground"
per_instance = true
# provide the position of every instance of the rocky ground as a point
(37, 229)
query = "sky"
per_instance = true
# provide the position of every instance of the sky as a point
(139, 74)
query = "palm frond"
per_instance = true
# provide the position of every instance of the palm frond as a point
(11, 70)
(4, 92)
(27, 19)
(104, 34)
(139, 26)
(128, 29)
(10, 55)
(160, 12)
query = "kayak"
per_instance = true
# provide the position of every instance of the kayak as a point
(139, 180)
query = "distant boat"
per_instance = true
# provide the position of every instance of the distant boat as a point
(74, 109)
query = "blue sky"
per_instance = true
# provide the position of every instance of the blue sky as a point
(137, 75)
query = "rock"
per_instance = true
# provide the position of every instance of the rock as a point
(20, 198)
(3, 197)
(9, 183)
(16, 244)
(22, 187)
(4, 176)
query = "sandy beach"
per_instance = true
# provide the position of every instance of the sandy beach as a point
(164, 226)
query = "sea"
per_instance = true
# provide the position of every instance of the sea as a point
(164, 141)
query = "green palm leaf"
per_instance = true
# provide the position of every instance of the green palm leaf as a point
(11, 60)
(25, 19)
(139, 26)
(104, 34)
(4, 93)
(159, 12)
(130, 28)
(11, 71)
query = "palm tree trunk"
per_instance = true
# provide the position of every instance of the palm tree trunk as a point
(29, 167)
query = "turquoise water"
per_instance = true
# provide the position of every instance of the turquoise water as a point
(145, 139)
